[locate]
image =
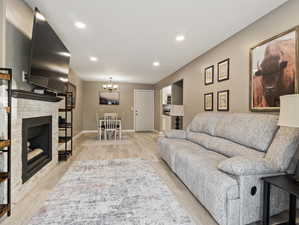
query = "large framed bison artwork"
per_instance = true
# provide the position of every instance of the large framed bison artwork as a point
(273, 71)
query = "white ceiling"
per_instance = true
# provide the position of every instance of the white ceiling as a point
(128, 35)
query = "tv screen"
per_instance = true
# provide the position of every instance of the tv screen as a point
(50, 59)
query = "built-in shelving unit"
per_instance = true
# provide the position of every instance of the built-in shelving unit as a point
(5, 144)
(66, 127)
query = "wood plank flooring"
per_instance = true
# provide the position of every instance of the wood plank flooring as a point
(133, 145)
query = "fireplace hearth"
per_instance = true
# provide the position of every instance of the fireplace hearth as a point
(36, 145)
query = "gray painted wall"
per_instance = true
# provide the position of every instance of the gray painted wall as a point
(237, 49)
(19, 22)
(91, 104)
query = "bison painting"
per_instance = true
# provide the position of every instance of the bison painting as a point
(275, 71)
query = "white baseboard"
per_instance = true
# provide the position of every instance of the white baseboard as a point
(77, 135)
(89, 131)
(128, 131)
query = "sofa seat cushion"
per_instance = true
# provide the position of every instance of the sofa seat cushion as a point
(169, 147)
(213, 188)
(249, 129)
(223, 146)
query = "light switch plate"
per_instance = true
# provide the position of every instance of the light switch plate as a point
(24, 76)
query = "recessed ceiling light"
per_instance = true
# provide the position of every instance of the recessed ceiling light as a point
(66, 54)
(80, 25)
(180, 38)
(65, 80)
(93, 59)
(40, 16)
(156, 63)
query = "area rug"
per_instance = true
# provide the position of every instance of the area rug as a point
(94, 141)
(111, 192)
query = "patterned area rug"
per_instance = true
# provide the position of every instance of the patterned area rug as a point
(93, 141)
(111, 192)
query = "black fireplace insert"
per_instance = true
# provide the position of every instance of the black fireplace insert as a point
(36, 145)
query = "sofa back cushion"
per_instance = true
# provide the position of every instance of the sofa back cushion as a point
(248, 129)
(284, 147)
(205, 122)
(222, 146)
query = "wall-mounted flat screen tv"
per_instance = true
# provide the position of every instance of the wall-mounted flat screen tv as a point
(50, 59)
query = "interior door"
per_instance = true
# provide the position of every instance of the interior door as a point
(144, 110)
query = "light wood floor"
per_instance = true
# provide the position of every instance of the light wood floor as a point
(134, 145)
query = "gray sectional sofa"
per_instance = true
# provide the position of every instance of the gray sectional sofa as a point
(221, 158)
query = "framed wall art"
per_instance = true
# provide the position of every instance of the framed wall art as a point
(208, 101)
(273, 71)
(209, 75)
(109, 98)
(223, 70)
(223, 100)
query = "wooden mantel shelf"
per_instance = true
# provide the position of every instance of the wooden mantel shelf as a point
(33, 96)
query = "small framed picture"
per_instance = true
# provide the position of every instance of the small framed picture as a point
(223, 100)
(223, 70)
(209, 75)
(208, 101)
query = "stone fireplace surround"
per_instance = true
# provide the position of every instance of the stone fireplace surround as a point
(30, 108)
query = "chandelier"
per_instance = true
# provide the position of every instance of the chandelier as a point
(110, 86)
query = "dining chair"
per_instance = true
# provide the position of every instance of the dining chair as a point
(110, 127)
(118, 129)
(100, 126)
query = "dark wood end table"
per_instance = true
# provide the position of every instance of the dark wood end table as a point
(286, 183)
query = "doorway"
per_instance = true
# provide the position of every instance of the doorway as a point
(144, 110)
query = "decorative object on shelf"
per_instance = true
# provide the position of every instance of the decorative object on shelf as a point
(169, 99)
(274, 69)
(208, 101)
(177, 111)
(72, 101)
(289, 116)
(223, 70)
(223, 100)
(110, 85)
(5, 137)
(65, 124)
(109, 98)
(209, 75)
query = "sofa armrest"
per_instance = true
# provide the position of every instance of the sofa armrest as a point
(179, 134)
(243, 166)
